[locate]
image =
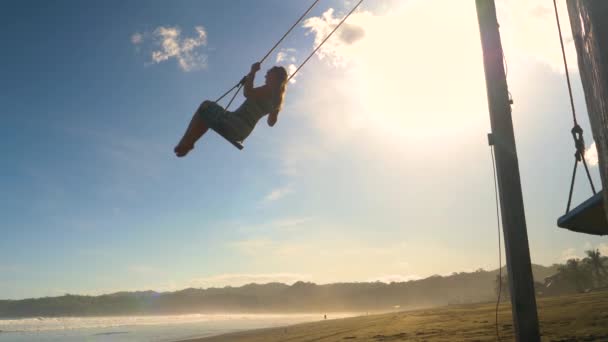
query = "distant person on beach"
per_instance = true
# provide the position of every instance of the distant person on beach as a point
(237, 125)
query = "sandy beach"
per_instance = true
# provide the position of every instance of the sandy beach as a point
(582, 317)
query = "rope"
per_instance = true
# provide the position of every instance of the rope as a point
(324, 40)
(289, 31)
(226, 93)
(234, 96)
(561, 42)
(241, 82)
(499, 243)
(571, 186)
(577, 131)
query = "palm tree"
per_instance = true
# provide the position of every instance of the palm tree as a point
(575, 272)
(594, 258)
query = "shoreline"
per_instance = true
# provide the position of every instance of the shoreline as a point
(252, 333)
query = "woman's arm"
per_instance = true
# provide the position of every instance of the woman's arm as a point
(248, 90)
(273, 117)
(248, 85)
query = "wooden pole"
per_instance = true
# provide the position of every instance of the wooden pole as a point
(519, 266)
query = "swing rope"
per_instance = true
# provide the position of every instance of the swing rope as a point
(577, 131)
(326, 38)
(561, 41)
(242, 81)
(289, 31)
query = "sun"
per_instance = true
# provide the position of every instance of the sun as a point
(417, 71)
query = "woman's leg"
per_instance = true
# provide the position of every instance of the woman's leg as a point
(195, 131)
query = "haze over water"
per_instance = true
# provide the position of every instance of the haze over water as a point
(143, 328)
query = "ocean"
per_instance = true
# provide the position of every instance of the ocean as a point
(144, 328)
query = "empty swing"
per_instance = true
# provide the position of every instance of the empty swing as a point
(588, 217)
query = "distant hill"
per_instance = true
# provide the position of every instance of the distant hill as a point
(539, 272)
(274, 297)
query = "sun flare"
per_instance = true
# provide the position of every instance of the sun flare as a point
(415, 72)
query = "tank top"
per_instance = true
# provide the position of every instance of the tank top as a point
(241, 122)
(253, 109)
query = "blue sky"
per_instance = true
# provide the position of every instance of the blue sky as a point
(377, 169)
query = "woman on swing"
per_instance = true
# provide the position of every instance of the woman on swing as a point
(237, 125)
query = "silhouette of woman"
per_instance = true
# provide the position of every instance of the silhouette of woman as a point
(237, 125)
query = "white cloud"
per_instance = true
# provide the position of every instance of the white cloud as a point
(291, 68)
(168, 286)
(287, 55)
(569, 253)
(171, 45)
(347, 34)
(591, 155)
(396, 278)
(137, 38)
(183, 50)
(603, 247)
(278, 193)
(239, 279)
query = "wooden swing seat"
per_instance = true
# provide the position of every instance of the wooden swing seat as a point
(588, 217)
(237, 144)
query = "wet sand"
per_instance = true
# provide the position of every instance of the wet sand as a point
(582, 317)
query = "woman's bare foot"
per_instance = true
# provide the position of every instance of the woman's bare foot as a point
(182, 149)
(195, 131)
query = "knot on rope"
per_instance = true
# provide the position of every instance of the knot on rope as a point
(579, 142)
(579, 156)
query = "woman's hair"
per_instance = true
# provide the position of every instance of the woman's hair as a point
(279, 92)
